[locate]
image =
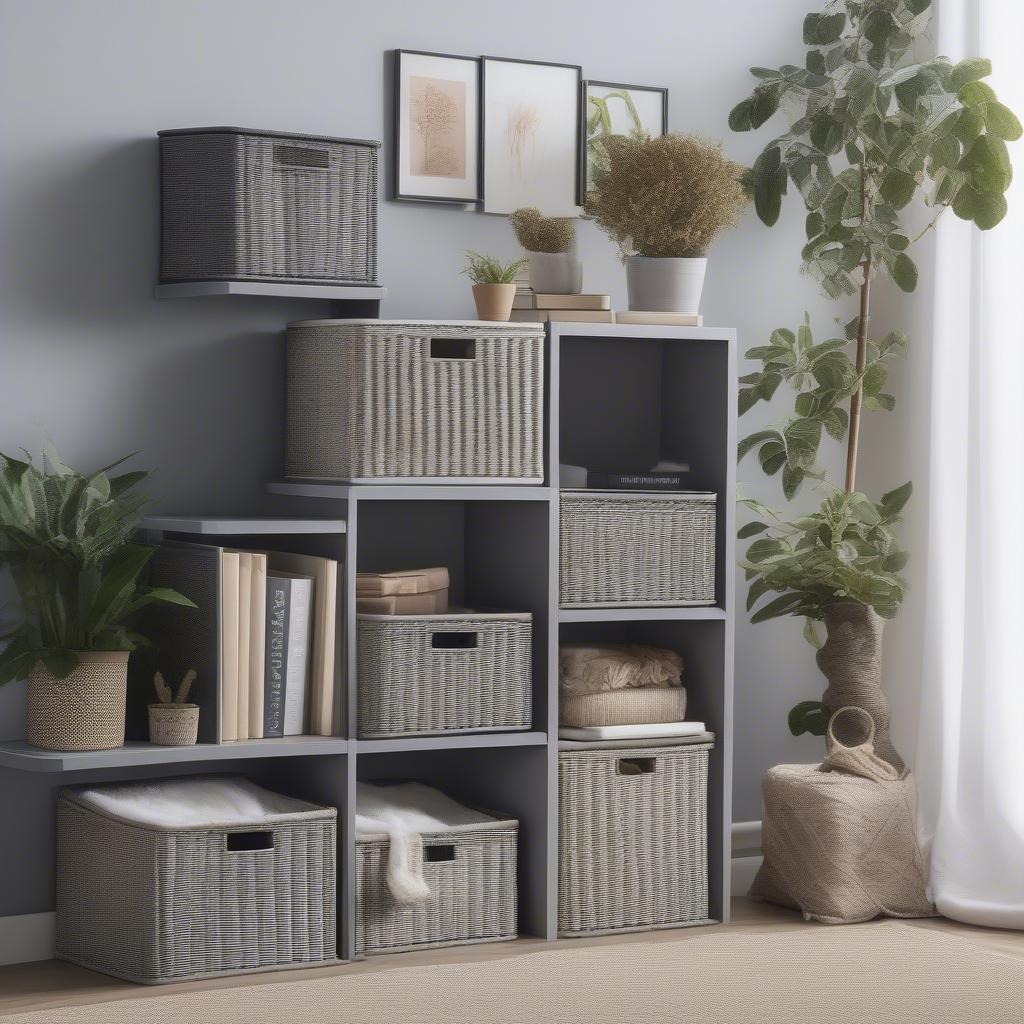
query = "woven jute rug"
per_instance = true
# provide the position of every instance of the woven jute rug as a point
(880, 972)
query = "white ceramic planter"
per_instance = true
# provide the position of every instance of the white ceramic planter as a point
(555, 273)
(665, 284)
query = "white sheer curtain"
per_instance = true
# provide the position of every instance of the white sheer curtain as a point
(970, 758)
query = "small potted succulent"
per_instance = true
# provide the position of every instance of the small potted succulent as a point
(67, 540)
(172, 721)
(493, 284)
(550, 244)
(663, 201)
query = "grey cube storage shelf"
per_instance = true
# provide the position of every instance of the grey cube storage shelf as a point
(155, 904)
(249, 205)
(391, 401)
(630, 549)
(471, 873)
(633, 842)
(612, 397)
(422, 675)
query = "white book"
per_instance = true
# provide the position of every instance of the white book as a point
(228, 646)
(257, 643)
(631, 732)
(296, 681)
(244, 634)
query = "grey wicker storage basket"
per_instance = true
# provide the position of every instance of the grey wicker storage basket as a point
(154, 904)
(471, 872)
(244, 205)
(624, 549)
(433, 674)
(390, 400)
(632, 838)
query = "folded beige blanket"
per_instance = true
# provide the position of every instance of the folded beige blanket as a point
(592, 668)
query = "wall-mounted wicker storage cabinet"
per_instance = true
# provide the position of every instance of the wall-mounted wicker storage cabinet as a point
(436, 674)
(389, 401)
(151, 903)
(632, 838)
(245, 205)
(636, 549)
(471, 873)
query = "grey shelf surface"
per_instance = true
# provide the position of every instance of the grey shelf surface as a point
(458, 741)
(681, 614)
(638, 743)
(22, 756)
(564, 329)
(336, 293)
(341, 491)
(229, 526)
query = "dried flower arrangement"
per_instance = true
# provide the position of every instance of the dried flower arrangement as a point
(665, 197)
(537, 233)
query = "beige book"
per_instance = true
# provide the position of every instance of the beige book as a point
(586, 316)
(244, 614)
(228, 646)
(323, 661)
(404, 581)
(531, 316)
(636, 316)
(547, 301)
(257, 643)
(524, 301)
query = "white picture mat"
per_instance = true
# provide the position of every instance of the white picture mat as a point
(650, 106)
(455, 69)
(530, 137)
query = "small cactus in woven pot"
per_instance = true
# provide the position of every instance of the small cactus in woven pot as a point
(173, 722)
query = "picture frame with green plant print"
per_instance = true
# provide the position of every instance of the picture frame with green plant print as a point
(612, 108)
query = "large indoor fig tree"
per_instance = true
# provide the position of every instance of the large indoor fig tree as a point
(875, 124)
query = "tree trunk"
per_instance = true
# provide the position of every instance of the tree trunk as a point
(851, 659)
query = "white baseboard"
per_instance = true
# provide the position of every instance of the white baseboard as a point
(746, 838)
(27, 937)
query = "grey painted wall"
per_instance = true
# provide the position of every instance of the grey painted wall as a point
(90, 356)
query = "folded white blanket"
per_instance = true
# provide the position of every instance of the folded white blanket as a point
(402, 812)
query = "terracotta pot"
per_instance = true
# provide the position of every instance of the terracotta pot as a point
(173, 725)
(851, 659)
(494, 301)
(84, 711)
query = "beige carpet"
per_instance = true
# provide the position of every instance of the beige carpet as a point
(882, 972)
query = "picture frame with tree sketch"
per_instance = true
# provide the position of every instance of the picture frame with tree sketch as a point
(436, 130)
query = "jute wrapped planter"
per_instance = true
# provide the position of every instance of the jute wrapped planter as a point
(173, 725)
(85, 710)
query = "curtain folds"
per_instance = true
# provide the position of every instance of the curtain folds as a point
(970, 757)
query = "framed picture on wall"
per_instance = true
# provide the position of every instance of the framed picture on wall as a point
(436, 142)
(610, 108)
(530, 135)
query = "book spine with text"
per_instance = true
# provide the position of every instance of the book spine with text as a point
(276, 668)
(635, 481)
(300, 614)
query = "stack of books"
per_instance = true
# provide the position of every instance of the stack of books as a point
(667, 475)
(277, 623)
(536, 307)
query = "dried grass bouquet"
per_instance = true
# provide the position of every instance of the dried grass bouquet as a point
(668, 196)
(537, 233)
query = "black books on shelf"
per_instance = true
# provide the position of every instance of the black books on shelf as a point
(669, 478)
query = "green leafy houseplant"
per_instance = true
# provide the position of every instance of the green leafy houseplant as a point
(481, 269)
(67, 541)
(599, 126)
(873, 125)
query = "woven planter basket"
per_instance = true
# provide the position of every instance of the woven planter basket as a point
(173, 725)
(632, 839)
(471, 873)
(388, 400)
(623, 549)
(84, 711)
(433, 674)
(248, 205)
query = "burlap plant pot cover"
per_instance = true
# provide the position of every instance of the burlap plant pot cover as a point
(839, 838)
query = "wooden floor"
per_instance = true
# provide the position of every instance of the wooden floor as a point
(52, 983)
